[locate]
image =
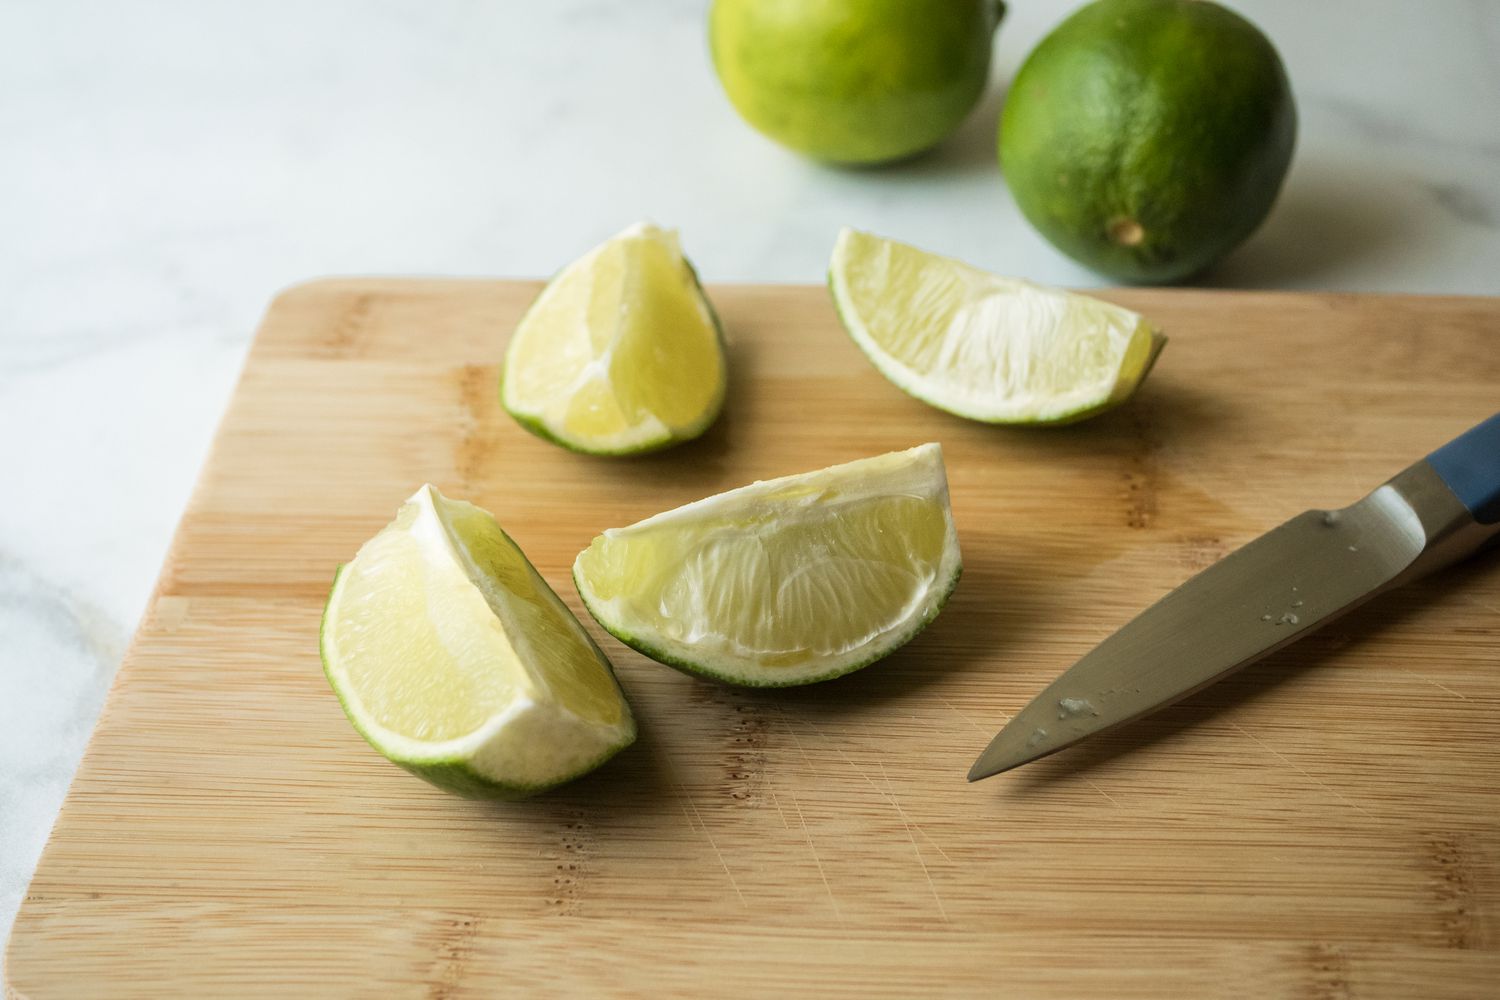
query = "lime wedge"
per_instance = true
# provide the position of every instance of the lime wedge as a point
(1000, 350)
(455, 660)
(784, 582)
(621, 353)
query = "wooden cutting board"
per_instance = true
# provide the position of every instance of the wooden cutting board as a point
(1324, 824)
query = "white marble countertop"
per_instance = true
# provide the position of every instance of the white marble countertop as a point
(167, 166)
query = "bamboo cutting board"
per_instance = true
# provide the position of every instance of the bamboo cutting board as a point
(1325, 824)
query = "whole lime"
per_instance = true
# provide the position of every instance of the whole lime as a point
(853, 81)
(1148, 138)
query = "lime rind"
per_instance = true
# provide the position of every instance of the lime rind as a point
(643, 446)
(652, 435)
(901, 473)
(1143, 344)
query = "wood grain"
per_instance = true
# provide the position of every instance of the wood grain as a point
(1325, 824)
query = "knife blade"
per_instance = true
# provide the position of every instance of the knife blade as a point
(1266, 595)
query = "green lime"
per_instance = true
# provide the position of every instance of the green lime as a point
(1000, 350)
(455, 660)
(853, 81)
(784, 582)
(1148, 138)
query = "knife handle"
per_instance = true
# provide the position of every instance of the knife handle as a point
(1470, 466)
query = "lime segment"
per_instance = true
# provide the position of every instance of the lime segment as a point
(455, 660)
(621, 352)
(783, 582)
(1000, 350)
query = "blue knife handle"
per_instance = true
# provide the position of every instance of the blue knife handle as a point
(1470, 465)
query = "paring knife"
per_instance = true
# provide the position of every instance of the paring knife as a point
(1266, 595)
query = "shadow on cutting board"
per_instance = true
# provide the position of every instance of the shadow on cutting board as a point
(627, 791)
(1162, 414)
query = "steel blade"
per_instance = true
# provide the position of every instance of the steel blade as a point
(1271, 592)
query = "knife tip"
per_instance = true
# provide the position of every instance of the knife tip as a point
(985, 768)
(1019, 742)
(997, 759)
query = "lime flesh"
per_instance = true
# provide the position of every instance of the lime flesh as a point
(455, 660)
(999, 350)
(784, 582)
(621, 353)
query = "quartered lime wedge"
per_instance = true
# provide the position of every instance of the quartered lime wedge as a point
(455, 660)
(995, 349)
(784, 582)
(621, 353)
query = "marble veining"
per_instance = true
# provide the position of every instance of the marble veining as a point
(167, 166)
